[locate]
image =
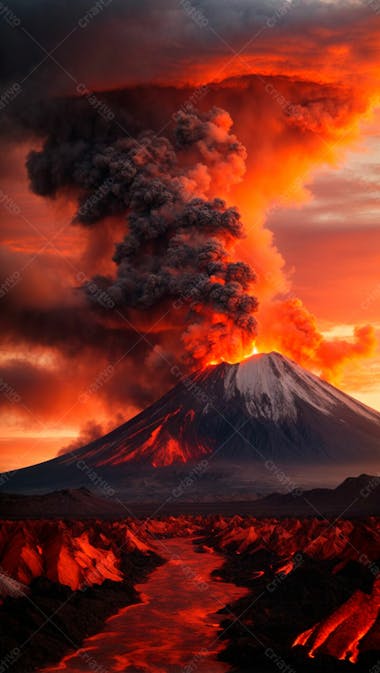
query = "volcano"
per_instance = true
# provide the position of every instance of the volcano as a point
(228, 431)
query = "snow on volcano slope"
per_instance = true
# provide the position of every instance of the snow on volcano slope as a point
(271, 384)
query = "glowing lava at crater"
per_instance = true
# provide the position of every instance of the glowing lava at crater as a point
(239, 356)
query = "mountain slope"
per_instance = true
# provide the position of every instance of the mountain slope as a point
(266, 411)
(265, 407)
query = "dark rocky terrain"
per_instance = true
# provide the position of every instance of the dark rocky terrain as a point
(313, 585)
(60, 580)
(354, 497)
(314, 593)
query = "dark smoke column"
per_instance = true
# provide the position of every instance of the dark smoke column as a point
(175, 266)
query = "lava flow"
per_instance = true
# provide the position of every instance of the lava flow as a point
(175, 628)
(341, 633)
(89, 570)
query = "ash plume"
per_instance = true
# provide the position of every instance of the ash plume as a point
(175, 265)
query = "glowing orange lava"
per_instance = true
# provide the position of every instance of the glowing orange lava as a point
(238, 357)
(176, 618)
(340, 634)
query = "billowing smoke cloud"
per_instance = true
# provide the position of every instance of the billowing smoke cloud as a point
(174, 263)
(89, 432)
(183, 42)
(287, 326)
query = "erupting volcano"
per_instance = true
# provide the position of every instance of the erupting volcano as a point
(235, 421)
(189, 203)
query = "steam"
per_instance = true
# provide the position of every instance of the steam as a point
(175, 262)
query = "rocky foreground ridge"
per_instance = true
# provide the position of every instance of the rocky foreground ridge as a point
(313, 585)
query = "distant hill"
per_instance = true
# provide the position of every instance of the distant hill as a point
(355, 497)
(80, 503)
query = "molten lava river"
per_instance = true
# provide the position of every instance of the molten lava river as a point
(174, 627)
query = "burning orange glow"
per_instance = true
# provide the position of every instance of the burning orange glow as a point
(302, 638)
(159, 447)
(340, 634)
(239, 356)
(288, 327)
(175, 616)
